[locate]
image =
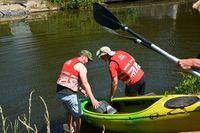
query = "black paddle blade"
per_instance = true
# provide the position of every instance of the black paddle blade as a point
(105, 18)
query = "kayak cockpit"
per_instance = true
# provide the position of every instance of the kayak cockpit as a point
(132, 105)
(128, 105)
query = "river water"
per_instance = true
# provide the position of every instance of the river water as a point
(33, 49)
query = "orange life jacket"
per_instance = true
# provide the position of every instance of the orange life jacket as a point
(69, 77)
(129, 71)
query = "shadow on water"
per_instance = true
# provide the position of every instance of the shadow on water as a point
(33, 49)
(57, 127)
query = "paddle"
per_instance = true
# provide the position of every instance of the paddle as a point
(105, 18)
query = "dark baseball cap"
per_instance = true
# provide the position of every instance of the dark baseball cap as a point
(86, 53)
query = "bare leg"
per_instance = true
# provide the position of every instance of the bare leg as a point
(69, 121)
(77, 124)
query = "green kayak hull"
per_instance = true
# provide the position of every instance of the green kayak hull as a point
(171, 113)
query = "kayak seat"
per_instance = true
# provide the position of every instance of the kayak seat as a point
(181, 102)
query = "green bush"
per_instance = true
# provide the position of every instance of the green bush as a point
(56, 1)
(190, 85)
(76, 4)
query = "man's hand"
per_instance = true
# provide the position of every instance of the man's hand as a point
(84, 93)
(95, 103)
(185, 64)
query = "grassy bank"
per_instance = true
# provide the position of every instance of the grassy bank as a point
(76, 4)
(51, 4)
(189, 85)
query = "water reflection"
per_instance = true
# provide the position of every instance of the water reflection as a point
(160, 11)
(18, 28)
(173, 12)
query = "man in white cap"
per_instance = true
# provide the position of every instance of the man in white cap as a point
(123, 66)
(72, 74)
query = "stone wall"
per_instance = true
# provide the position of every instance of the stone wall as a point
(19, 9)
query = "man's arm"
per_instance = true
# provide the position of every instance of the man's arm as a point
(114, 84)
(113, 66)
(83, 75)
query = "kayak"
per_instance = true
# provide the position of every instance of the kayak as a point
(163, 113)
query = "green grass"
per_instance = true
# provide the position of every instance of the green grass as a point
(190, 85)
(66, 4)
(76, 4)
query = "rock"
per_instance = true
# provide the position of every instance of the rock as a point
(1, 14)
(33, 4)
(14, 13)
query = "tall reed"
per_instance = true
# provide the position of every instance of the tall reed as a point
(4, 120)
(46, 115)
(25, 121)
(14, 127)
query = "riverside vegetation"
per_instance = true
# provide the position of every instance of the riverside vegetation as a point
(13, 127)
(190, 85)
(64, 4)
(76, 4)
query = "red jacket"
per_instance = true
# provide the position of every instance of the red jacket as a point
(128, 70)
(69, 77)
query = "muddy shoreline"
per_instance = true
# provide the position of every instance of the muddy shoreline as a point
(13, 10)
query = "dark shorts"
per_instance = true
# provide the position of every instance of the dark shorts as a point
(63, 89)
(136, 89)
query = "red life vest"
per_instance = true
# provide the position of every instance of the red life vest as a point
(129, 71)
(69, 77)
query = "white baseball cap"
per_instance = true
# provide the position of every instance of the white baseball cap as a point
(104, 50)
